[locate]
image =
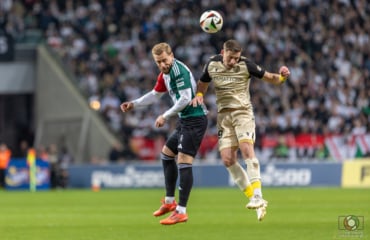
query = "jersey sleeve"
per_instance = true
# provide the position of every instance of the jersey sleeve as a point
(160, 86)
(183, 102)
(205, 75)
(152, 96)
(254, 69)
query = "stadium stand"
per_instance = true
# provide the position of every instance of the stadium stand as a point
(323, 108)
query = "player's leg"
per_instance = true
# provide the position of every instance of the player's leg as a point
(190, 138)
(186, 183)
(253, 166)
(2, 178)
(253, 171)
(228, 145)
(236, 171)
(170, 172)
(245, 131)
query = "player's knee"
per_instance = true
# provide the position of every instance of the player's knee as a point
(227, 158)
(167, 151)
(185, 158)
(228, 161)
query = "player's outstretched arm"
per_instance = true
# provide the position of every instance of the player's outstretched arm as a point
(277, 78)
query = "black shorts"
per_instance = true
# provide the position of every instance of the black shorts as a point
(188, 135)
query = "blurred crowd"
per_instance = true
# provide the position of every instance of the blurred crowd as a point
(107, 44)
(58, 161)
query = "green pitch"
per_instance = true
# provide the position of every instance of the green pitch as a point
(214, 214)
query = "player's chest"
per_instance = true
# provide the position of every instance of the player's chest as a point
(221, 76)
(171, 84)
(225, 79)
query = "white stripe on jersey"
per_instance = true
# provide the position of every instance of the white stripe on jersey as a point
(175, 68)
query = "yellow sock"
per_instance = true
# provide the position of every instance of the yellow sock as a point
(257, 188)
(249, 191)
(256, 184)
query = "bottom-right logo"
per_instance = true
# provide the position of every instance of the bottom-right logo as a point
(352, 223)
(352, 226)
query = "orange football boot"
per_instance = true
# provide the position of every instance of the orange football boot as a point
(165, 208)
(174, 218)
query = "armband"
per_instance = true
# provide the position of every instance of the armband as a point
(199, 94)
(282, 78)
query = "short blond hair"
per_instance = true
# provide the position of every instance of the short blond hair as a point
(159, 48)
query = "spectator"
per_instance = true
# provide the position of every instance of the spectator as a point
(53, 165)
(116, 153)
(22, 149)
(65, 159)
(328, 54)
(120, 153)
(281, 150)
(5, 154)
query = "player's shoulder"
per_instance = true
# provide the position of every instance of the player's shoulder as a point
(180, 66)
(245, 59)
(215, 58)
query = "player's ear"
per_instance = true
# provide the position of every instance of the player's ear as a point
(222, 52)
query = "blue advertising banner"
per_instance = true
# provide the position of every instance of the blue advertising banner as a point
(301, 174)
(18, 177)
(147, 176)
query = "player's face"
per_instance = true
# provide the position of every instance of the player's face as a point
(230, 58)
(164, 62)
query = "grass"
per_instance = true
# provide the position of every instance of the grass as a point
(214, 214)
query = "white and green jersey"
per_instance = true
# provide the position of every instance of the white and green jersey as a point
(181, 86)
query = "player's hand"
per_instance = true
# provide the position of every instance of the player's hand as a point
(126, 106)
(284, 73)
(160, 121)
(197, 100)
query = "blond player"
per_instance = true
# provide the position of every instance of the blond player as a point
(175, 79)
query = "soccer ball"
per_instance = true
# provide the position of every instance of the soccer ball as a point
(211, 21)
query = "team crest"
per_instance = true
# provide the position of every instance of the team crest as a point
(236, 69)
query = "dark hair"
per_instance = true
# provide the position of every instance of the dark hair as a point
(232, 45)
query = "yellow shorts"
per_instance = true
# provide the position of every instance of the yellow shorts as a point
(235, 126)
